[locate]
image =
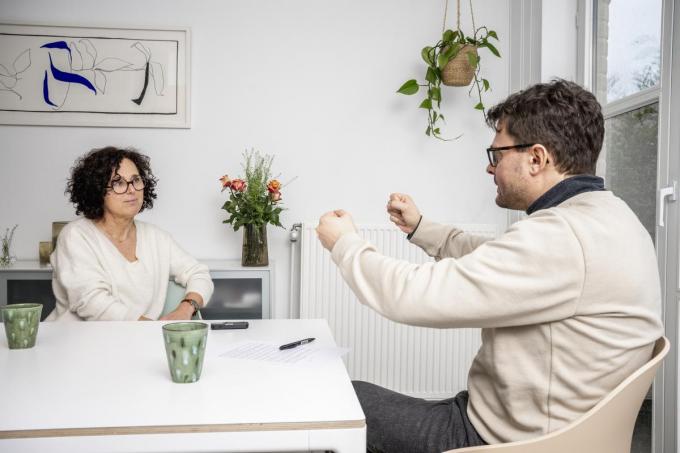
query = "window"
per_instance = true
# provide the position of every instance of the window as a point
(627, 63)
(631, 30)
(631, 142)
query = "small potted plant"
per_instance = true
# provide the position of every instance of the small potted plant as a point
(6, 257)
(254, 201)
(453, 61)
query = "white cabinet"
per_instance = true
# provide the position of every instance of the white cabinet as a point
(240, 292)
(27, 281)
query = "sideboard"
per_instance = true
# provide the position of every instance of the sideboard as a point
(240, 292)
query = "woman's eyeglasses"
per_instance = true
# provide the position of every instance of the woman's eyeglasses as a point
(120, 185)
(494, 154)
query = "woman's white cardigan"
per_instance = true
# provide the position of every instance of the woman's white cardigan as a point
(92, 280)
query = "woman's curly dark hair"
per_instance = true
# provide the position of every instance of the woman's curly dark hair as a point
(91, 174)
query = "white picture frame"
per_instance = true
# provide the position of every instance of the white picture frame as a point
(57, 75)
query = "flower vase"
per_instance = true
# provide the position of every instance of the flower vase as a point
(6, 257)
(254, 251)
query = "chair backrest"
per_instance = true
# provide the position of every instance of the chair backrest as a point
(173, 296)
(606, 428)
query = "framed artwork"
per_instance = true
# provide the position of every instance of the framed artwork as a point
(84, 76)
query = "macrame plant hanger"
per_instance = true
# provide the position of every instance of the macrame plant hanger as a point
(459, 72)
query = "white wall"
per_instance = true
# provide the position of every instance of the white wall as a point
(311, 81)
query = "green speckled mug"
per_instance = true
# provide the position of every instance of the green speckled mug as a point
(185, 347)
(21, 324)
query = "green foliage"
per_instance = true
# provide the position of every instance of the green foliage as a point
(256, 203)
(436, 58)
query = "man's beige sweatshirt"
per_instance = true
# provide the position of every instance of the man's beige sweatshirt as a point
(568, 300)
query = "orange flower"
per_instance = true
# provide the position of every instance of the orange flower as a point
(238, 185)
(226, 182)
(273, 186)
(275, 196)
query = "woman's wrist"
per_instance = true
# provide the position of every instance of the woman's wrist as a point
(190, 304)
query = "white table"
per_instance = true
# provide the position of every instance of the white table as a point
(105, 387)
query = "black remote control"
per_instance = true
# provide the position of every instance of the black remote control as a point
(229, 325)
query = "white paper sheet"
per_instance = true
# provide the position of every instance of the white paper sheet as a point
(267, 352)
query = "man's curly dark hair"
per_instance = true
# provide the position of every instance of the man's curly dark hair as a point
(91, 174)
(560, 115)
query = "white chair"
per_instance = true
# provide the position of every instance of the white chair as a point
(606, 428)
(174, 295)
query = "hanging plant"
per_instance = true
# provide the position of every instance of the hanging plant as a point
(453, 61)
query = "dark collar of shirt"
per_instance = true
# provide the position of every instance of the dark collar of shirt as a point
(566, 189)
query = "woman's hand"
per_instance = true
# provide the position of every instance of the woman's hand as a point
(184, 311)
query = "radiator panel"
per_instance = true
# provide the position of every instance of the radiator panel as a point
(421, 362)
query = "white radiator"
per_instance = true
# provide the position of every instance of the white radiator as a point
(421, 362)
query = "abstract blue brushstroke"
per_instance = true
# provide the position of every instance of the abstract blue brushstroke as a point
(58, 45)
(70, 78)
(46, 91)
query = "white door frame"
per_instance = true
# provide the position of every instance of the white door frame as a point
(665, 430)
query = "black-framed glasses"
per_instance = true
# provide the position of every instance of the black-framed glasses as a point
(120, 185)
(494, 153)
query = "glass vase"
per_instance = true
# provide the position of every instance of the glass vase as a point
(254, 251)
(6, 257)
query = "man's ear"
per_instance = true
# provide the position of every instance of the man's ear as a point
(539, 158)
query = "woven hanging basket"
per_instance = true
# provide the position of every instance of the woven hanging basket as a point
(458, 72)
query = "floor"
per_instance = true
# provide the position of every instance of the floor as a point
(642, 436)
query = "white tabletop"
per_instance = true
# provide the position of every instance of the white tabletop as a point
(112, 378)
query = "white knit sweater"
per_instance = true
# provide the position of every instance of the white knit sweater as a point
(92, 280)
(568, 300)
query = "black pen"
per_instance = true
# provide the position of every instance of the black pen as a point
(296, 343)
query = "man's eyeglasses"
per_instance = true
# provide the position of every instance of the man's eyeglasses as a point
(120, 185)
(494, 154)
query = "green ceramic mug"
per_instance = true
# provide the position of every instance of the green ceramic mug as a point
(21, 324)
(185, 348)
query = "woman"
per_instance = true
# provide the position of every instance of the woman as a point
(109, 266)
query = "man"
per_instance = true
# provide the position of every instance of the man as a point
(568, 298)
